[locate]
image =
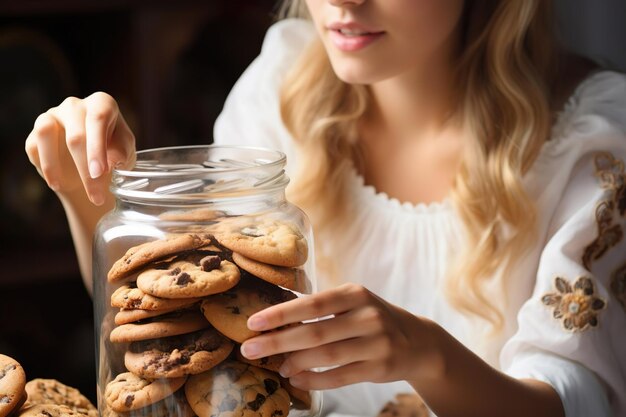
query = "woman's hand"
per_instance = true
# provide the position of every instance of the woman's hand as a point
(77, 143)
(364, 339)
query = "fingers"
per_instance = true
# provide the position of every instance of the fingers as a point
(326, 303)
(42, 148)
(78, 142)
(338, 377)
(359, 322)
(100, 120)
(73, 114)
(335, 354)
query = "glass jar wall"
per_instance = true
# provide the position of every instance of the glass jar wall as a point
(201, 238)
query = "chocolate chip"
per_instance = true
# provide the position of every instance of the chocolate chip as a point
(228, 404)
(257, 403)
(209, 263)
(277, 413)
(45, 413)
(129, 400)
(6, 370)
(270, 385)
(183, 279)
(175, 271)
(234, 310)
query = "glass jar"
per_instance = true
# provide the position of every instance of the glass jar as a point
(201, 237)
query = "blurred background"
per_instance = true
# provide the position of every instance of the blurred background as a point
(170, 64)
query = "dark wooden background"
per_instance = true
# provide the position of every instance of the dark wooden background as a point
(170, 64)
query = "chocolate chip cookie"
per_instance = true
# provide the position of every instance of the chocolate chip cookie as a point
(177, 356)
(290, 278)
(51, 391)
(125, 316)
(405, 405)
(174, 405)
(50, 410)
(265, 240)
(141, 255)
(130, 297)
(12, 383)
(194, 274)
(171, 324)
(237, 389)
(229, 311)
(131, 392)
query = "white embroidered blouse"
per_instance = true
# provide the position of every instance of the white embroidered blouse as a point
(566, 314)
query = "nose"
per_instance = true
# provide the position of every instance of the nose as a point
(346, 3)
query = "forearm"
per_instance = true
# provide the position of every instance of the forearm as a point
(467, 386)
(82, 217)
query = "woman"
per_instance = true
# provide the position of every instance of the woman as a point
(468, 186)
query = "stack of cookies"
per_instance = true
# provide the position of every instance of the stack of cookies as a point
(184, 302)
(38, 397)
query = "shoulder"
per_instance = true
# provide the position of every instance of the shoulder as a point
(251, 112)
(284, 41)
(600, 96)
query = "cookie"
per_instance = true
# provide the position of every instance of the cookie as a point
(194, 274)
(177, 356)
(405, 405)
(300, 398)
(131, 392)
(271, 363)
(132, 315)
(229, 311)
(49, 410)
(174, 405)
(12, 383)
(290, 278)
(171, 324)
(141, 255)
(264, 240)
(51, 391)
(130, 297)
(237, 389)
(197, 215)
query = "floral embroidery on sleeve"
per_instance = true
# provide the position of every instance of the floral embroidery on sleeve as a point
(612, 177)
(618, 284)
(576, 306)
(609, 234)
(610, 172)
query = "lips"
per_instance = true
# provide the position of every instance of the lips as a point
(351, 36)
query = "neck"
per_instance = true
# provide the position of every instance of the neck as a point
(410, 104)
(416, 103)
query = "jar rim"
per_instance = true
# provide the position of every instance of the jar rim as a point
(201, 172)
(281, 159)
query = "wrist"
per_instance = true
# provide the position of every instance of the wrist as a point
(430, 356)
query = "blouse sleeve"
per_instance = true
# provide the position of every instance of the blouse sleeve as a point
(251, 113)
(572, 331)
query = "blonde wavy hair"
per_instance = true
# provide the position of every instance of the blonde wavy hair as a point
(506, 66)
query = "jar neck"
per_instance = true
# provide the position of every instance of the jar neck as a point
(243, 204)
(221, 177)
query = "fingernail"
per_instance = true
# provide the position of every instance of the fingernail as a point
(284, 370)
(257, 323)
(95, 169)
(97, 199)
(250, 350)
